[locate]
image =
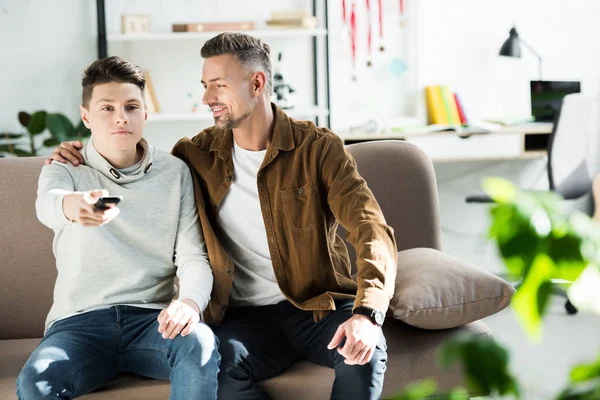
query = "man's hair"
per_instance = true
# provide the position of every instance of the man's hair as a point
(107, 70)
(252, 53)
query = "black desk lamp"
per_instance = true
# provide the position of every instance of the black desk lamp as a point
(512, 48)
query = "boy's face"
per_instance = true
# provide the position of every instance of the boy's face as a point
(116, 115)
(228, 90)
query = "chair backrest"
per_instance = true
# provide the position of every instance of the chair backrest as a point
(402, 178)
(27, 265)
(573, 151)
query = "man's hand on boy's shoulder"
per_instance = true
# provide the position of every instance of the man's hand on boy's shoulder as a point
(80, 207)
(67, 152)
(180, 317)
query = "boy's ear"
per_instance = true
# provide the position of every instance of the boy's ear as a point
(84, 116)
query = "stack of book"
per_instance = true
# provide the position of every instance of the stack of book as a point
(292, 19)
(443, 106)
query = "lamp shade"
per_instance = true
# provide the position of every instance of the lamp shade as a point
(511, 47)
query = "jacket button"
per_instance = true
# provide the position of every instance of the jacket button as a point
(300, 191)
(229, 272)
(228, 179)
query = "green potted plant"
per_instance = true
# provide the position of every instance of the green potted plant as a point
(24, 144)
(538, 240)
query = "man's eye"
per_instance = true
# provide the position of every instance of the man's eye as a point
(220, 86)
(106, 108)
(133, 107)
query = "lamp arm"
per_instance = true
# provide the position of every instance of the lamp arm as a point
(535, 53)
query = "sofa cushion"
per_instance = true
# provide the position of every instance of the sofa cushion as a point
(412, 355)
(437, 291)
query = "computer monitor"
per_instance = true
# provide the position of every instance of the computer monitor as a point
(547, 96)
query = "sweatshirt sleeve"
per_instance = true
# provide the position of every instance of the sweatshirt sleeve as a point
(54, 183)
(191, 256)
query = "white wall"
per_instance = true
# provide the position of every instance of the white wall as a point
(459, 42)
(44, 47)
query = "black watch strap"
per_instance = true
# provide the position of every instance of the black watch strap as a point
(376, 316)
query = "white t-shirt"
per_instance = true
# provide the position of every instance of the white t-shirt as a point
(245, 236)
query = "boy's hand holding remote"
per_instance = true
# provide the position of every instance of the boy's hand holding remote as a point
(80, 207)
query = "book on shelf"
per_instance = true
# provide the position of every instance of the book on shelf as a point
(214, 26)
(461, 110)
(301, 18)
(442, 107)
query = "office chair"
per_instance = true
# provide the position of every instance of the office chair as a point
(573, 154)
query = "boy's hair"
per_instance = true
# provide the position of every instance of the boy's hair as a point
(107, 70)
(252, 53)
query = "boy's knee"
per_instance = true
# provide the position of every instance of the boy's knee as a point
(202, 342)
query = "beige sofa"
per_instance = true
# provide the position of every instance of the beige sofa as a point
(399, 174)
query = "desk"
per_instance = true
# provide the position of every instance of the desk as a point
(511, 142)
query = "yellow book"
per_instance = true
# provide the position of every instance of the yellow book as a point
(435, 106)
(448, 95)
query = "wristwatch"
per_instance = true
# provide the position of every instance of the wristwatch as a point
(376, 316)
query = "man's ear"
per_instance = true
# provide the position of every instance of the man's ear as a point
(259, 83)
(84, 116)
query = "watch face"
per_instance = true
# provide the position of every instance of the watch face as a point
(379, 317)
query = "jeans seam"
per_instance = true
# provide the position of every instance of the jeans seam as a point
(79, 368)
(148, 347)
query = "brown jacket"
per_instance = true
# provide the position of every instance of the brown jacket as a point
(307, 182)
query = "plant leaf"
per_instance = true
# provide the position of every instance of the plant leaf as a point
(4, 148)
(527, 303)
(24, 118)
(6, 135)
(484, 363)
(501, 190)
(51, 141)
(60, 127)
(37, 123)
(417, 391)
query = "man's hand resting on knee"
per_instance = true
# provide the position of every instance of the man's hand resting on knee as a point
(361, 336)
(180, 317)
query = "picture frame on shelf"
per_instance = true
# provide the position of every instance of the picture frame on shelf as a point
(135, 24)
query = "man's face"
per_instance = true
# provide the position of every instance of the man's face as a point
(228, 91)
(116, 116)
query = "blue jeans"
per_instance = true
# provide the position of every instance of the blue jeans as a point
(80, 353)
(258, 343)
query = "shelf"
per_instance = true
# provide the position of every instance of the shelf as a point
(263, 33)
(302, 112)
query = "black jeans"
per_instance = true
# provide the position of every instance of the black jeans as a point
(258, 343)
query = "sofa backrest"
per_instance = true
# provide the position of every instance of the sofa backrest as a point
(402, 178)
(27, 265)
(400, 175)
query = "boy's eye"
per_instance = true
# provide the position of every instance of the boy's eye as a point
(106, 108)
(220, 86)
(133, 107)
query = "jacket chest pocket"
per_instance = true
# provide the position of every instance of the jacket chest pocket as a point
(302, 207)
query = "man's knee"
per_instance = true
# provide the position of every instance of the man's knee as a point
(375, 367)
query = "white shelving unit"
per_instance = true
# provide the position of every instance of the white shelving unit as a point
(313, 106)
(261, 33)
(297, 112)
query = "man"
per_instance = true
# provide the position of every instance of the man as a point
(116, 267)
(270, 193)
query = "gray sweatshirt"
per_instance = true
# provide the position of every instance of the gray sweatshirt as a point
(134, 259)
